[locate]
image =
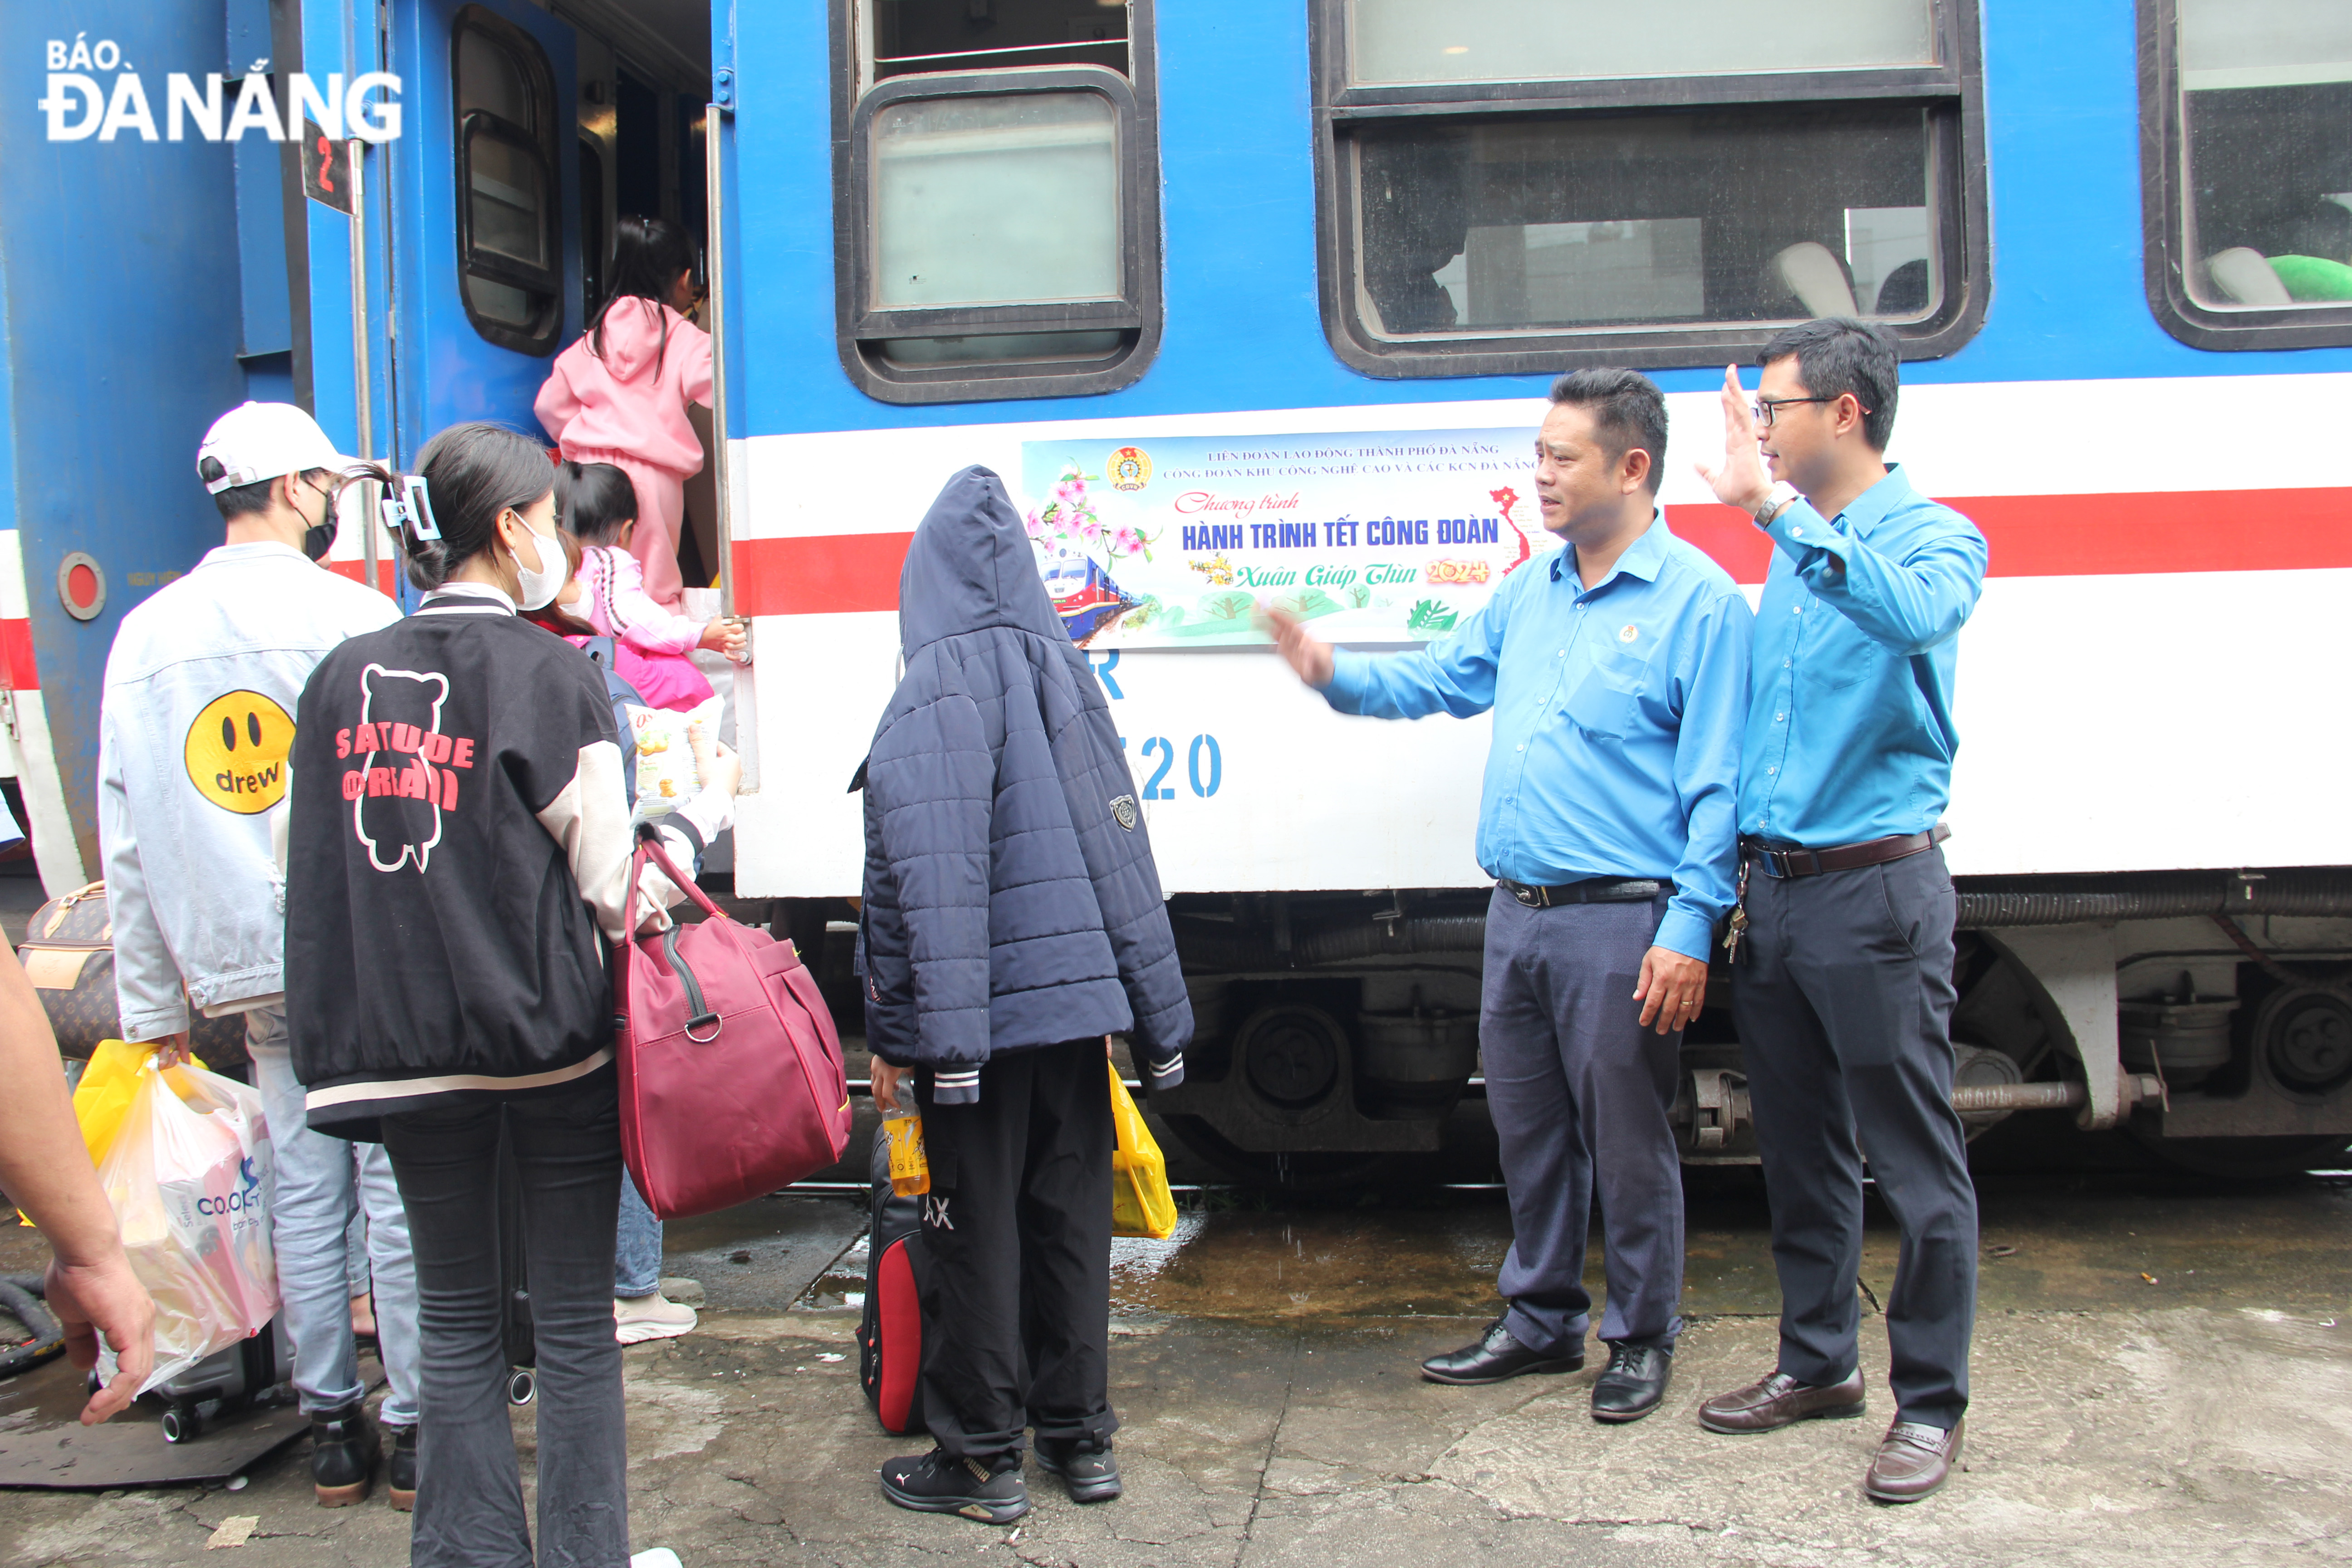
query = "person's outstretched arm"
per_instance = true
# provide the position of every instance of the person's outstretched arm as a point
(638, 619)
(1453, 675)
(46, 1170)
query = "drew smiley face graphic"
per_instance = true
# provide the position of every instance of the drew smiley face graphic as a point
(235, 751)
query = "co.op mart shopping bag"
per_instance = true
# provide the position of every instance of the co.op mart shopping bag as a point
(1141, 1203)
(190, 1178)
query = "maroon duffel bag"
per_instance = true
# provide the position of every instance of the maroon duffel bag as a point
(731, 1082)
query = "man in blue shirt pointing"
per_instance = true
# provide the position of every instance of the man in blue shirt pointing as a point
(1841, 978)
(1617, 671)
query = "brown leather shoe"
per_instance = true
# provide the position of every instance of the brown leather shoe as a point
(1913, 1460)
(1781, 1399)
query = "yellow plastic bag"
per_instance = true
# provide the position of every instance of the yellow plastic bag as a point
(104, 1096)
(910, 1169)
(1141, 1203)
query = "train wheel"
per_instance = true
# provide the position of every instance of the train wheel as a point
(2247, 1159)
(1298, 1172)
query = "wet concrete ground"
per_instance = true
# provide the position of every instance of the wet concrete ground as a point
(2163, 1374)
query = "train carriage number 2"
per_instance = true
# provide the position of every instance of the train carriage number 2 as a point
(1204, 766)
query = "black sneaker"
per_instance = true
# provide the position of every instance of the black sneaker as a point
(938, 1482)
(343, 1450)
(400, 1475)
(1084, 1464)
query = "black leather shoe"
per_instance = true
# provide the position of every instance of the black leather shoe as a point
(1633, 1384)
(400, 1475)
(1495, 1356)
(1085, 1466)
(343, 1450)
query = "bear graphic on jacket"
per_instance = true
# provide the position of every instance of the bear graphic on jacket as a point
(405, 778)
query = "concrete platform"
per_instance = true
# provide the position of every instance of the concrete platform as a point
(2128, 1411)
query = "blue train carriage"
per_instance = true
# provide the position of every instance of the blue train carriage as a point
(1258, 304)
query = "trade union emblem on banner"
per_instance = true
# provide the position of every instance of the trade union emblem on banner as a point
(1130, 468)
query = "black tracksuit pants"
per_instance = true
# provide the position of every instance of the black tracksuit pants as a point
(1016, 1309)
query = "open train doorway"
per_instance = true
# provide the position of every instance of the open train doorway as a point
(643, 69)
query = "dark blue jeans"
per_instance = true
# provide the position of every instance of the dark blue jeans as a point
(567, 1145)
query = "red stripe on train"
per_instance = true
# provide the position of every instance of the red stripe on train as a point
(2102, 535)
(2029, 536)
(357, 571)
(18, 670)
(825, 574)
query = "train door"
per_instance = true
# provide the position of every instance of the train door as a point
(485, 201)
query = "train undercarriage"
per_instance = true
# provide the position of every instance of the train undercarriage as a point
(2207, 1015)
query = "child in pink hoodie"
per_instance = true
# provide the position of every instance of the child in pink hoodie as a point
(619, 395)
(597, 505)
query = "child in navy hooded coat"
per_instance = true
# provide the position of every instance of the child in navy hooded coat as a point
(1013, 920)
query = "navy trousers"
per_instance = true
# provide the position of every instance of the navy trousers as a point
(1580, 1093)
(1842, 994)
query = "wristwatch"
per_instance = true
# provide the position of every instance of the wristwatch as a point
(1775, 499)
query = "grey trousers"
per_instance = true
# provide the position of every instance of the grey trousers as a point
(567, 1144)
(1842, 994)
(1580, 1093)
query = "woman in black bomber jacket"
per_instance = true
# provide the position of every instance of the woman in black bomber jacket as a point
(458, 858)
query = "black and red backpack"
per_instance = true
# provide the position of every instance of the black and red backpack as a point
(890, 1335)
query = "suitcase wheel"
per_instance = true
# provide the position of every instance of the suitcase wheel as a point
(521, 1383)
(182, 1424)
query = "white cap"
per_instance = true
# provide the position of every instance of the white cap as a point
(257, 441)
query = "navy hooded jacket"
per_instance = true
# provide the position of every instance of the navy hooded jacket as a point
(1011, 898)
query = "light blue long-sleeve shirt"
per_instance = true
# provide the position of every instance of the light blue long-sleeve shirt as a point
(1850, 733)
(1617, 722)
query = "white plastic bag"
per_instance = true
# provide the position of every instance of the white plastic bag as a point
(673, 752)
(191, 1182)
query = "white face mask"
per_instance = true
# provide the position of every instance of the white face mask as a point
(540, 587)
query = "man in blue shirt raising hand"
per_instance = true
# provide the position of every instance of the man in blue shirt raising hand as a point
(1617, 670)
(1842, 980)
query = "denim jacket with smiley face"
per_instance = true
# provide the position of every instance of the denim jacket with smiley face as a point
(195, 725)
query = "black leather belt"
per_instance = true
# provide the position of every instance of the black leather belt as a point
(1780, 863)
(1592, 890)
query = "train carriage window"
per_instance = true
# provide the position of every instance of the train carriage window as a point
(996, 195)
(2248, 129)
(1513, 186)
(510, 252)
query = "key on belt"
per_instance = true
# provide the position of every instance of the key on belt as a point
(1736, 927)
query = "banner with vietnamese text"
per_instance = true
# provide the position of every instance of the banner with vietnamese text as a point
(1376, 536)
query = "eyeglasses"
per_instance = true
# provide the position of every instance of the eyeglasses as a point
(1768, 409)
